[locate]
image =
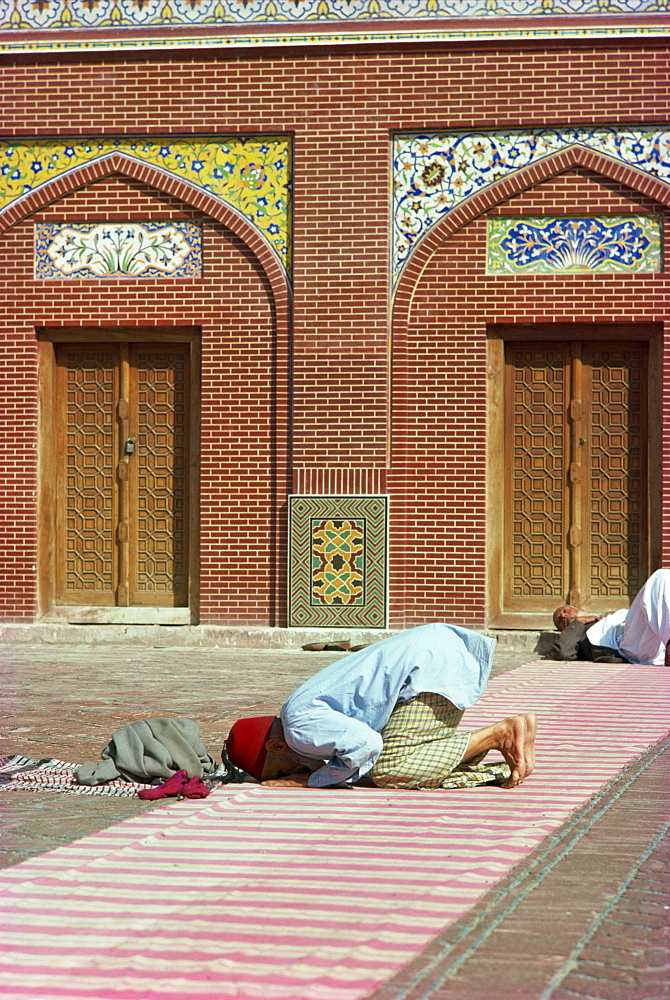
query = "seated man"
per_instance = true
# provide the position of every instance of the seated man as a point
(388, 712)
(638, 634)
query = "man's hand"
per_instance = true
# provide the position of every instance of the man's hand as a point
(290, 781)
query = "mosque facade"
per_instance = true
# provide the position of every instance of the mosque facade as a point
(333, 313)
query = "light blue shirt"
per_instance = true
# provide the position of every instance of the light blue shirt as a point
(338, 714)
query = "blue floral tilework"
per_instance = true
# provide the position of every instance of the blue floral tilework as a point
(118, 249)
(547, 245)
(436, 172)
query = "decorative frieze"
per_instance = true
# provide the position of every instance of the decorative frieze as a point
(548, 245)
(125, 14)
(118, 249)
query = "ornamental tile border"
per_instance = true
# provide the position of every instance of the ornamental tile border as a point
(118, 249)
(63, 15)
(307, 34)
(434, 173)
(109, 25)
(250, 173)
(552, 244)
(338, 561)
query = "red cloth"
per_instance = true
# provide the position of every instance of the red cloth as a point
(173, 786)
(246, 741)
(195, 788)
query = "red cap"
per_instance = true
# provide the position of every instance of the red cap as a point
(246, 741)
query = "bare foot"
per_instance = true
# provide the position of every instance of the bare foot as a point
(515, 739)
(517, 745)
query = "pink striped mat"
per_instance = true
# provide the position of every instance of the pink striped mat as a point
(268, 894)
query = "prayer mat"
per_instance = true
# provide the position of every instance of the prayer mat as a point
(22, 774)
(299, 894)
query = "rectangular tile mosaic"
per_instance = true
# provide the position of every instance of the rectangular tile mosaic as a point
(550, 244)
(338, 561)
(118, 249)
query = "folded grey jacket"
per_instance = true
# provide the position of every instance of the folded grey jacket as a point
(150, 750)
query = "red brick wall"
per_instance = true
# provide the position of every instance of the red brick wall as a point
(446, 395)
(243, 469)
(341, 106)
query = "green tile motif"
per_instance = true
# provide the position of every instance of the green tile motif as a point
(338, 561)
(118, 249)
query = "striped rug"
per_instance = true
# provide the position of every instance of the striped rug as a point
(269, 894)
(23, 774)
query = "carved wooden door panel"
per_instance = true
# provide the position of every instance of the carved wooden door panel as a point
(121, 474)
(576, 484)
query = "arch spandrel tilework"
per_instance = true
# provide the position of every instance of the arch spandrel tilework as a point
(436, 173)
(251, 174)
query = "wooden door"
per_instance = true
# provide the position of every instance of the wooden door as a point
(121, 459)
(576, 489)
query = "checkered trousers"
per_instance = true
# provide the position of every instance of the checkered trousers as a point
(423, 750)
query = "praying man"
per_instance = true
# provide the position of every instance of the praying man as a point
(389, 715)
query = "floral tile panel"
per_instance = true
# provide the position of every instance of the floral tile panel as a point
(548, 245)
(118, 249)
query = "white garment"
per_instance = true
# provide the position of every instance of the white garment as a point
(609, 630)
(641, 632)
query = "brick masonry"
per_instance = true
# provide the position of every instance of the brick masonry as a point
(453, 305)
(347, 389)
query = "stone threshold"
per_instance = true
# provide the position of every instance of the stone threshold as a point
(227, 636)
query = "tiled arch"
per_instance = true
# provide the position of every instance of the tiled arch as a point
(118, 163)
(266, 262)
(455, 220)
(513, 184)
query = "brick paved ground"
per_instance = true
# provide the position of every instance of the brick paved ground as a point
(586, 916)
(627, 950)
(66, 703)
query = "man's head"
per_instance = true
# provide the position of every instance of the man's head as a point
(257, 746)
(245, 745)
(564, 615)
